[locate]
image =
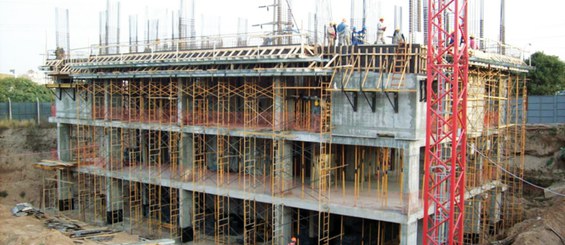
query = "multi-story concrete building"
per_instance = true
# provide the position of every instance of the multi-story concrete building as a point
(257, 144)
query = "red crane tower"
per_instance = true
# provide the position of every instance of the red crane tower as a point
(444, 171)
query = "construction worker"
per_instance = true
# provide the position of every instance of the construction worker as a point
(381, 28)
(398, 37)
(361, 35)
(292, 241)
(316, 108)
(59, 53)
(331, 34)
(342, 32)
(472, 43)
(358, 37)
(347, 37)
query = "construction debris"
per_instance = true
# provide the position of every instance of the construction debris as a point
(62, 225)
(25, 209)
(71, 228)
(152, 242)
(554, 190)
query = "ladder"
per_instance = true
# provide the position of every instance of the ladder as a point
(199, 215)
(277, 219)
(199, 156)
(199, 198)
(278, 167)
(223, 104)
(249, 161)
(399, 65)
(324, 165)
(222, 162)
(222, 220)
(250, 105)
(174, 213)
(249, 213)
(135, 204)
(154, 209)
(249, 144)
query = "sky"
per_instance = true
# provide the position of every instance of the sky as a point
(27, 27)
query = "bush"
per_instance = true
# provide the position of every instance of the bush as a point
(3, 193)
(17, 123)
(23, 90)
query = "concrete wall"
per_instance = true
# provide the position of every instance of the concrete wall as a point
(408, 123)
(66, 107)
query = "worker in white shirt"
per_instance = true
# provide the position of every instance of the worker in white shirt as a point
(381, 28)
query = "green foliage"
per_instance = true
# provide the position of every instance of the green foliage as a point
(562, 153)
(548, 75)
(4, 123)
(23, 90)
(3, 193)
(549, 162)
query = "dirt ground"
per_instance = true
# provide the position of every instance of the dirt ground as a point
(544, 222)
(19, 149)
(20, 182)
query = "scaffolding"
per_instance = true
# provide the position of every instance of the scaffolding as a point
(224, 122)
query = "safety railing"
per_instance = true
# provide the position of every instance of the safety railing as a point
(496, 47)
(213, 42)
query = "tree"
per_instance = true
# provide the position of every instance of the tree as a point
(548, 75)
(23, 90)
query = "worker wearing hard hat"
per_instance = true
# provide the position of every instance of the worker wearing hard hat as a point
(316, 108)
(381, 28)
(398, 37)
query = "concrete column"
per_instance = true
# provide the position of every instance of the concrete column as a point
(312, 221)
(181, 102)
(63, 142)
(411, 180)
(278, 105)
(185, 215)
(114, 201)
(495, 205)
(409, 233)
(284, 225)
(420, 231)
(107, 100)
(186, 160)
(284, 159)
(64, 190)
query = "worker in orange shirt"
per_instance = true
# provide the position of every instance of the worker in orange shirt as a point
(292, 241)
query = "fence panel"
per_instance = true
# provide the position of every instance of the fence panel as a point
(25, 111)
(546, 109)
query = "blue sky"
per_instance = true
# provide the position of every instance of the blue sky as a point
(27, 27)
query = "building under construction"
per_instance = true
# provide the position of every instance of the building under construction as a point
(226, 142)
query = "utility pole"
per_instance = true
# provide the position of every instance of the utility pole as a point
(364, 21)
(482, 24)
(352, 12)
(502, 26)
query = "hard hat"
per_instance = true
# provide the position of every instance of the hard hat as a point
(316, 103)
(293, 239)
(473, 37)
(382, 18)
(397, 28)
